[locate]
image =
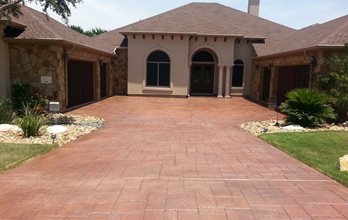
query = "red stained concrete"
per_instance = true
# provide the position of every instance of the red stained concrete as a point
(167, 158)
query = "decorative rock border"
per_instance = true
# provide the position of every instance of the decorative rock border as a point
(269, 126)
(77, 126)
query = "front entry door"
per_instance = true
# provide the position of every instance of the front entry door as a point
(202, 79)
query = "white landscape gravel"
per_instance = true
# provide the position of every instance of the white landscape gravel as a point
(76, 125)
(262, 127)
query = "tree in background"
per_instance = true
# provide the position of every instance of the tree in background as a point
(77, 29)
(94, 32)
(335, 83)
(9, 8)
(91, 33)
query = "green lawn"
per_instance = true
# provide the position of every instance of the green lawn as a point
(320, 150)
(12, 155)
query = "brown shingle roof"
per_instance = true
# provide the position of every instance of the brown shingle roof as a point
(110, 40)
(212, 19)
(194, 18)
(39, 26)
(332, 33)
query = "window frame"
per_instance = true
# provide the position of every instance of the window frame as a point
(243, 65)
(157, 63)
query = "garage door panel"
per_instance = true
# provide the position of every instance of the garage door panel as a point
(290, 78)
(80, 82)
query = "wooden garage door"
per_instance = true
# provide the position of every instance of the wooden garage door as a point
(80, 82)
(290, 78)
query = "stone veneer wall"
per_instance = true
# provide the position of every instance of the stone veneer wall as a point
(119, 73)
(29, 62)
(274, 63)
(4, 66)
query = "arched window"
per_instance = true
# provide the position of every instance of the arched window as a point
(203, 56)
(238, 74)
(158, 69)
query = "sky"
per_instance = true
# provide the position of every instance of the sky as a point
(111, 14)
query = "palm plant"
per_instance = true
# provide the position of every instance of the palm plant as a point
(307, 108)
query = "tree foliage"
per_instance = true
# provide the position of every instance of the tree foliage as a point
(90, 33)
(12, 8)
(77, 29)
(94, 32)
(335, 83)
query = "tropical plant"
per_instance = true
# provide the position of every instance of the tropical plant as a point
(6, 111)
(12, 8)
(30, 122)
(307, 108)
(335, 83)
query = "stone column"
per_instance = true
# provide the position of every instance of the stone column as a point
(221, 76)
(4, 66)
(273, 85)
(228, 81)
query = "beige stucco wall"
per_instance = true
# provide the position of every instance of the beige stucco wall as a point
(4, 67)
(138, 51)
(180, 49)
(245, 52)
(222, 49)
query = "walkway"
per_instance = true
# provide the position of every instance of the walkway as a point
(166, 158)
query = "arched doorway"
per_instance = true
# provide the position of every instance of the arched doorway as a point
(202, 73)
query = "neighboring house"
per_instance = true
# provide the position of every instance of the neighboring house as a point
(197, 49)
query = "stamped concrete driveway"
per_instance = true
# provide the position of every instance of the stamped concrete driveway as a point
(164, 158)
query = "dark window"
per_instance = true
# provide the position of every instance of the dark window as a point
(238, 74)
(203, 56)
(158, 69)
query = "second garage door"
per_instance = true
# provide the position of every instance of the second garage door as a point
(290, 78)
(80, 82)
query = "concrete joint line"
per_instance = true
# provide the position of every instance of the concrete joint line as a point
(241, 180)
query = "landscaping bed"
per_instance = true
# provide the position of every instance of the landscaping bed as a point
(319, 150)
(76, 125)
(269, 126)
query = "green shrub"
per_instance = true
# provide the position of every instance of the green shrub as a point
(22, 96)
(30, 122)
(6, 111)
(307, 108)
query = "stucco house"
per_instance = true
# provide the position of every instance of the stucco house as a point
(204, 49)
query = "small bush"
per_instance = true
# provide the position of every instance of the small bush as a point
(30, 122)
(307, 108)
(21, 93)
(22, 96)
(6, 111)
